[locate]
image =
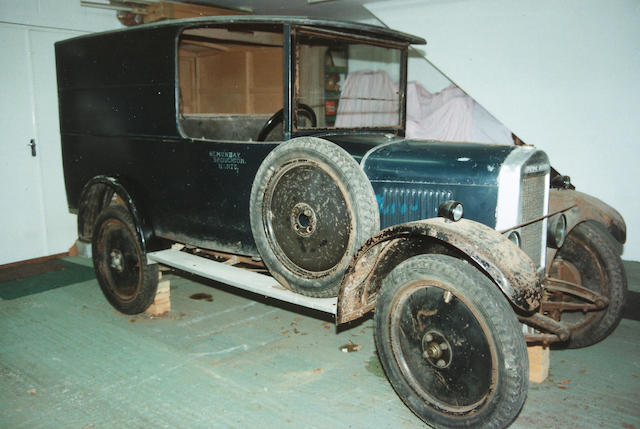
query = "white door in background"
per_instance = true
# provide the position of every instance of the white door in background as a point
(60, 225)
(22, 228)
(34, 219)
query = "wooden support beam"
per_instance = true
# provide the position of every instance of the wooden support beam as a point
(162, 303)
(232, 260)
(171, 10)
(538, 363)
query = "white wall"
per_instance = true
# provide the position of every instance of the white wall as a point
(422, 71)
(564, 76)
(60, 14)
(34, 220)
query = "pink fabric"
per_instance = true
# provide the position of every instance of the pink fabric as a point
(451, 115)
(442, 116)
(368, 99)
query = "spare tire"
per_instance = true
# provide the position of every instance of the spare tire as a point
(311, 208)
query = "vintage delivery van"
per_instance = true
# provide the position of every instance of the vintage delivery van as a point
(278, 143)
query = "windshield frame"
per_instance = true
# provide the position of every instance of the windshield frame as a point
(294, 81)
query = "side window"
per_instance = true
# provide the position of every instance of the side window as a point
(347, 83)
(230, 82)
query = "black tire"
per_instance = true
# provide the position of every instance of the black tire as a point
(590, 258)
(480, 376)
(311, 208)
(126, 280)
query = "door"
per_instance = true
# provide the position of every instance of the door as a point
(34, 219)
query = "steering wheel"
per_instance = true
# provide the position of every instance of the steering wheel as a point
(278, 117)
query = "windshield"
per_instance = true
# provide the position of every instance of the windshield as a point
(346, 83)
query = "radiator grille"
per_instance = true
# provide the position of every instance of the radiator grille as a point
(400, 205)
(532, 207)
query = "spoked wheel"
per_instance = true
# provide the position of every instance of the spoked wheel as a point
(592, 285)
(312, 207)
(450, 344)
(128, 283)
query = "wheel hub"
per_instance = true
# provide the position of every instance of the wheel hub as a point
(308, 218)
(436, 349)
(441, 347)
(116, 260)
(303, 219)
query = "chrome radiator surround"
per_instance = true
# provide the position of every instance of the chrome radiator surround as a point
(523, 195)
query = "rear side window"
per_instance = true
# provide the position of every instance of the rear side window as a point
(230, 81)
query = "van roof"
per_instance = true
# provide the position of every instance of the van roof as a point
(354, 28)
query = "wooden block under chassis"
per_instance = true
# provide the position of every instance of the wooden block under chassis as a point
(538, 363)
(162, 303)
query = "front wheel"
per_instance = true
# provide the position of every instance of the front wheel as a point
(450, 344)
(589, 258)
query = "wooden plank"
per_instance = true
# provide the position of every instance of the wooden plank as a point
(240, 278)
(538, 363)
(162, 303)
(171, 10)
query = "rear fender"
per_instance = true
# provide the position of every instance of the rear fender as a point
(497, 257)
(100, 192)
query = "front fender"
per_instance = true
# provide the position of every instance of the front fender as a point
(577, 208)
(585, 207)
(508, 266)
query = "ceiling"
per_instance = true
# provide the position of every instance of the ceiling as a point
(349, 10)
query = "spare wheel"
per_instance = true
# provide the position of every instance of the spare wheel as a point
(312, 207)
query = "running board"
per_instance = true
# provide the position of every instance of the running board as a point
(240, 278)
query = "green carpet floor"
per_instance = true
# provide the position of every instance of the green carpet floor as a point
(37, 277)
(68, 360)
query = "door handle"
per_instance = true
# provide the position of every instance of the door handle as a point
(32, 144)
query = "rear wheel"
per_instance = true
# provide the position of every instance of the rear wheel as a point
(450, 344)
(590, 259)
(126, 280)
